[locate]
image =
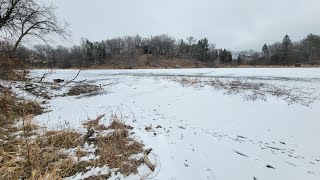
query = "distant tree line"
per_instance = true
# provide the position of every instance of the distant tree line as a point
(286, 52)
(21, 20)
(127, 49)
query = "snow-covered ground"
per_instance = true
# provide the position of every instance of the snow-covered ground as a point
(199, 132)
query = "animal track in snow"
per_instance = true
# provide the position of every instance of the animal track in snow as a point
(209, 174)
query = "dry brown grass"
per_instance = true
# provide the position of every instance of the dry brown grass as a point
(95, 124)
(146, 61)
(118, 125)
(41, 157)
(188, 81)
(116, 148)
(62, 139)
(28, 124)
(83, 89)
(251, 90)
(12, 107)
(26, 153)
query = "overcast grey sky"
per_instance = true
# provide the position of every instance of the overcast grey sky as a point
(232, 24)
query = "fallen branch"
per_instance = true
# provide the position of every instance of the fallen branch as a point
(43, 76)
(72, 79)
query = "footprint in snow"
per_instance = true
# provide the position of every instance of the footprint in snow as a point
(209, 174)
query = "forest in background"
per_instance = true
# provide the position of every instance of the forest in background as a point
(165, 51)
(27, 20)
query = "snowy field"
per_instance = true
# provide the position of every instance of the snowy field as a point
(201, 132)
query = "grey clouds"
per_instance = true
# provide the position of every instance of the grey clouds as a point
(232, 24)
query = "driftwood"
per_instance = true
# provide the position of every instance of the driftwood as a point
(147, 160)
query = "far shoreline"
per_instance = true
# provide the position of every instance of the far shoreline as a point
(180, 67)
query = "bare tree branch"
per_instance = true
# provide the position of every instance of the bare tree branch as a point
(27, 18)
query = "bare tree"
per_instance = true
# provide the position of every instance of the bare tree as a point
(10, 10)
(29, 18)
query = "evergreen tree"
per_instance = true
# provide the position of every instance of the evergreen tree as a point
(286, 51)
(225, 56)
(265, 50)
(311, 47)
(202, 49)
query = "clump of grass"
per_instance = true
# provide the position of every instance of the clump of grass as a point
(12, 107)
(28, 125)
(115, 149)
(36, 158)
(85, 89)
(95, 124)
(62, 139)
(117, 124)
(184, 81)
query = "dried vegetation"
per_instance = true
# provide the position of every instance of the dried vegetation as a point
(254, 90)
(84, 89)
(28, 151)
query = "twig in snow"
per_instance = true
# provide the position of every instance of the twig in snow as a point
(72, 79)
(240, 153)
(43, 76)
